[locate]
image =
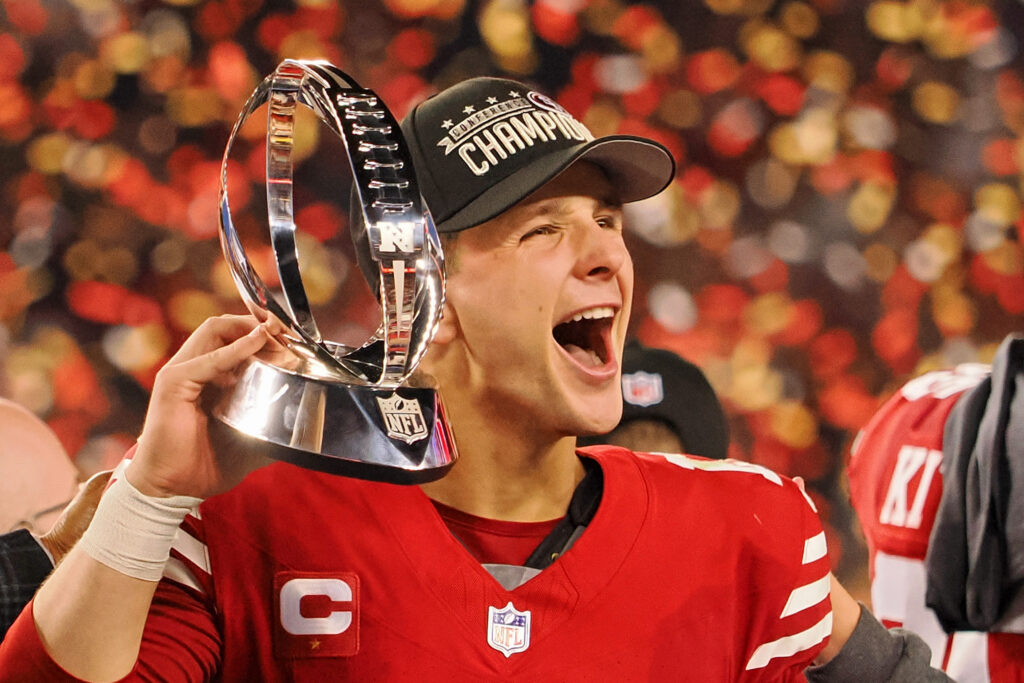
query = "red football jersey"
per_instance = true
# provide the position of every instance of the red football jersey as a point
(895, 488)
(691, 570)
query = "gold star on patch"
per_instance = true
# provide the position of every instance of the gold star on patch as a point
(492, 100)
(314, 644)
(513, 93)
(469, 109)
(447, 124)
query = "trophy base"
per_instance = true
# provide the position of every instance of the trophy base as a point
(397, 436)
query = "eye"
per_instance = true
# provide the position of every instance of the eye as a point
(540, 230)
(611, 221)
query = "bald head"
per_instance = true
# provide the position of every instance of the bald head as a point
(36, 473)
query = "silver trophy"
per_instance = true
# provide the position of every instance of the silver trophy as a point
(320, 404)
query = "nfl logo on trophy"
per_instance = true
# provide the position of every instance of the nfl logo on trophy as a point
(403, 418)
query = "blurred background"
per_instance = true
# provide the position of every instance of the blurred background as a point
(847, 211)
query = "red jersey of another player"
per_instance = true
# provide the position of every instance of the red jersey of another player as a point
(895, 487)
(690, 570)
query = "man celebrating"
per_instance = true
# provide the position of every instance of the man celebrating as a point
(530, 560)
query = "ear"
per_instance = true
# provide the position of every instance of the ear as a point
(448, 327)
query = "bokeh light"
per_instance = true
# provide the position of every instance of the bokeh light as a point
(847, 210)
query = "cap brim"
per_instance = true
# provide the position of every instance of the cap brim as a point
(637, 168)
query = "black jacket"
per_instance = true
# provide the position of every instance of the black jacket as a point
(975, 561)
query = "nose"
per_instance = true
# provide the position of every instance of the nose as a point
(601, 252)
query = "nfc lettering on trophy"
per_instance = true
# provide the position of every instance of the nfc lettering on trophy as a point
(397, 236)
(403, 418)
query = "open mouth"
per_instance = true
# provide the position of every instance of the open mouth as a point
(585, 336)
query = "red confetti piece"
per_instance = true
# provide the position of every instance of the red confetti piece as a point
(783, 94)
(554, 25)
(583, 70)
(229, 71)
(321, 220)
(712, 70)
(413, 48)
(1010, 293)
(873, 166)
(12, 57)
(832, 177)
(76, 388)
(999, 157)
(983, 278)
(894, 339)
(72, 430)
(93, 119)
(325, 20)
(774, 278)
(894, 68)
(846, 403)
(576, 99)
(633, 24)
(27, 16)
(695, 180)
(215, 22)
(901, 290)
(644, 100)
(722, 302)
(832, 352)
(100, 302)
(805, 320)
(272, 31)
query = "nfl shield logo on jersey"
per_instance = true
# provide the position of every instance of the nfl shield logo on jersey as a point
(508, 629)
(403, 418)
(642, 389)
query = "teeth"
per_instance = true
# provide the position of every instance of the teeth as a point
(594, 313)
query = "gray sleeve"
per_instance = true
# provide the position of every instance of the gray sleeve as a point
(875, 654)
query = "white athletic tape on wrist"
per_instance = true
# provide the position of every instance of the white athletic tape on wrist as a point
(132, 533)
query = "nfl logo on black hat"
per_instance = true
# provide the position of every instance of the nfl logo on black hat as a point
(642, 389)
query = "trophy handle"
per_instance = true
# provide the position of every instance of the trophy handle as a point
(402, 238)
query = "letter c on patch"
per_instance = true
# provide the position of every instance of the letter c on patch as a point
(334, 623)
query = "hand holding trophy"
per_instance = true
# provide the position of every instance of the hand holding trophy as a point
(323, 405)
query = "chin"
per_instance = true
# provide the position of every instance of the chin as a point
(592, 422)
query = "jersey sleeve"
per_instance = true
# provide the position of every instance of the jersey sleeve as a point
(792, 620)
(180, 644)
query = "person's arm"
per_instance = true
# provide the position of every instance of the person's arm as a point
(873, 654)
(862, 650)
(90, 616)
(845, 615)
(180, 643)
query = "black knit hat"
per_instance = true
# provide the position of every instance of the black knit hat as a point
(659, 385)
(484, 144)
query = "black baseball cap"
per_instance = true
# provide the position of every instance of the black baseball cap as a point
(485, 143)
(659, 385)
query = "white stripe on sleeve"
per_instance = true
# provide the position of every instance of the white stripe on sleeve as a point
(790, 645)
(807, 596)
(192, 549)
(178, 571)
(815, 548)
